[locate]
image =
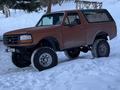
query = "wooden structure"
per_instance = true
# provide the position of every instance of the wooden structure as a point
(81, 4)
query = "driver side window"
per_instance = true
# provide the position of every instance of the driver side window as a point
(72, 18)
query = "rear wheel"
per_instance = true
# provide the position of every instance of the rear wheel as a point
(19, 61)
(100, 48)
(44, 58)
(72, 53)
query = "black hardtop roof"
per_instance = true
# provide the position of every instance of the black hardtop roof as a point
(79, 10)
(83, 10)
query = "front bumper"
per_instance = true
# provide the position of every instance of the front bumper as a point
(10, 49)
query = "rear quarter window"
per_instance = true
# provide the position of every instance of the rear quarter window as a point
(94, 16)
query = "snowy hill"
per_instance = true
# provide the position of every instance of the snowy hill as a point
(83, 73)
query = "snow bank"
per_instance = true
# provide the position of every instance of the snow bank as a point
(18, 19)
(83, 73)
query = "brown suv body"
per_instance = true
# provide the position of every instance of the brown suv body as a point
(71, 31)
(65, 35)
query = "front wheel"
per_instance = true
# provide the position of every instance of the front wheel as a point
(19, 61)
(100, 48)
(44, 58)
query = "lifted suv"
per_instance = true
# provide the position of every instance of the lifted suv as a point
(69, 31)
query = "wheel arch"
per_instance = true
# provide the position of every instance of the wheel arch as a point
(102, 35)
(49, 42)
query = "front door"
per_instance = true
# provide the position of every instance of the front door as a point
(72, 31)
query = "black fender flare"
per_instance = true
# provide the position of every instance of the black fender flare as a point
(51, 42)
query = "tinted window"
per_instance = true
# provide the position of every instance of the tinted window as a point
(97, 16)
(72, 18)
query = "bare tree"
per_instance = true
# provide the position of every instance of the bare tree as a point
(49, 6)
(6, 10)
(50, 2)
(77, 4)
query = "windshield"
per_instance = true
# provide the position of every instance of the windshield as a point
(51, 19)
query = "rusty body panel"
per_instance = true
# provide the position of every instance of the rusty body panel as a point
(67, 36)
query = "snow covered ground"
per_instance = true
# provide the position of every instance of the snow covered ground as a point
(83, 73)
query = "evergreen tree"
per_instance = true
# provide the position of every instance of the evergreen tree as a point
(9, 3)
(30, 5)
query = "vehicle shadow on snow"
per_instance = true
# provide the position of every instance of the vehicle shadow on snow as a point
(63, 59)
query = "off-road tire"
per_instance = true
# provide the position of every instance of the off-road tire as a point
(72, 53)
(19, 61)
(44, 58)
(100, 48)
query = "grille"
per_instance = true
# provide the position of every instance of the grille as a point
(11, 39)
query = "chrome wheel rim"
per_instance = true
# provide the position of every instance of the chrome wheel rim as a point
(45, 59)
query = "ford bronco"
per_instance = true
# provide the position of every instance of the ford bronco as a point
(71, 31)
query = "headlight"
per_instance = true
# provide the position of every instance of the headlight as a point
(25, 37)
